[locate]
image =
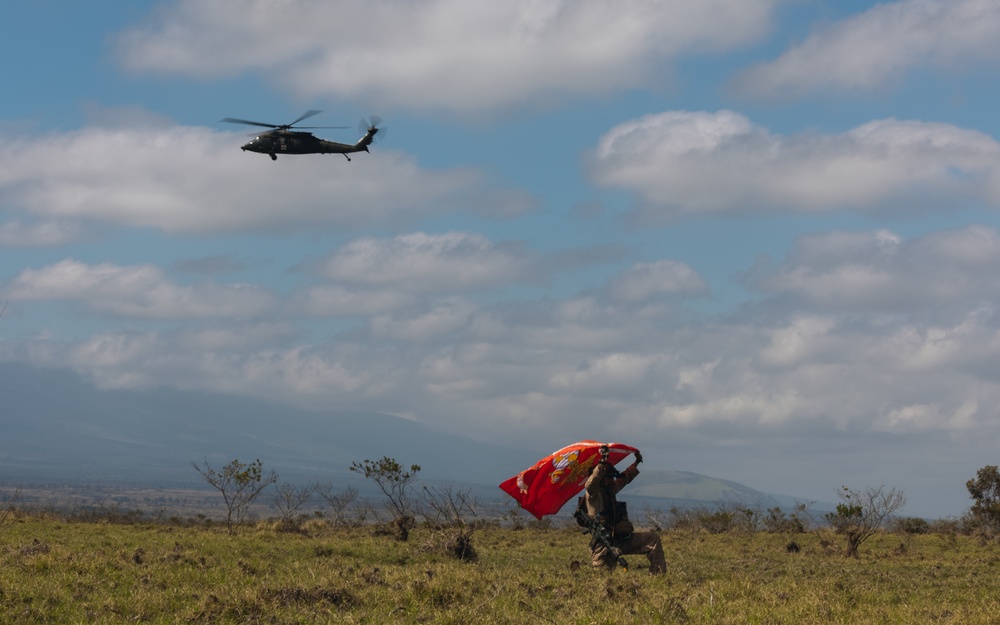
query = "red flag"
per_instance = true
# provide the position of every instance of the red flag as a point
(556, 478)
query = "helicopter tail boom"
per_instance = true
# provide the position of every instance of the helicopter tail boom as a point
(365, 141)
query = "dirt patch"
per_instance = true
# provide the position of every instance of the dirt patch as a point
(292, 595)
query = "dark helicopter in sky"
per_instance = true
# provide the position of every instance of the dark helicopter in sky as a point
(283, 140)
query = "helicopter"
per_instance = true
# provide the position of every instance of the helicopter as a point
(283, 140)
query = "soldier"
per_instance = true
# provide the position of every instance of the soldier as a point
(601, 488)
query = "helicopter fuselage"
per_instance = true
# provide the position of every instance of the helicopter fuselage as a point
(277, 142)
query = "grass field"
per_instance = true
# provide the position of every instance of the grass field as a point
(52, 571)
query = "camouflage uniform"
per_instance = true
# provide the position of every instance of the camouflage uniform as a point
(600, 501)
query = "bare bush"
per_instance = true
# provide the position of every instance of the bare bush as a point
(513, 514)
(446, 505)
(655, 518)
(455, 512)
(288, 499)
(9, 510)
(748, 518)
(724, 517)
(777, 521)
(399, 527)
(452, 542)
(684, 519)
(862, 513)
(909, 525)
(716, 521)
(338, 501)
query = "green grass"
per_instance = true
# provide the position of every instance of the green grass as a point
(57, 572)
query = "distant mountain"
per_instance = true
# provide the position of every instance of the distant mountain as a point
(682, 486)
(55, 428)
(682, 489)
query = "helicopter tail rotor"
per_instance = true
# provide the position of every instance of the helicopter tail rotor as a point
(373, 127)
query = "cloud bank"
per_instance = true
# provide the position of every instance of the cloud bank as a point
(881, 45)
(452, 55)
(682, 163)
(193, 180)
(908, 325)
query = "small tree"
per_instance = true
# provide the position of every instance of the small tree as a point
(985, 490)
(289, 499)
(454, 512)
(449, 506)
(8, 509)
(337, 500)
(862, 513)
(392, 480)
(240, 485)
(777, 521)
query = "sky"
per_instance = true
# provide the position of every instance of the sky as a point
(757, 239)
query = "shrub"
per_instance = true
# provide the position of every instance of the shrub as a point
(778, 522)
(392, 480)
(862, 513)
(909, 525)
(985, 490)
(240, 485)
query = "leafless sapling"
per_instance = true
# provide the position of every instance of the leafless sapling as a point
(289, 498)
(8, 509)
(338, 500)
(447, 505)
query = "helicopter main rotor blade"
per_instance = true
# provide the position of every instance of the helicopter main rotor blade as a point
(305, 115)
(314, 127)
(233, 120)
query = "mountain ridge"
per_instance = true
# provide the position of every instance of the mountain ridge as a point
(57, 428)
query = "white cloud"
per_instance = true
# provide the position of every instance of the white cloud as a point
(614, 374)
(338, 301)
(807, 373)
(800, 340)
(39, 233)
(664, 277)
(421, 262)
(383, 276)
(448, 317)
(464, 55)
(681, 162)
(141, 291)
(867, 50)
(879, 271)
(193, 180)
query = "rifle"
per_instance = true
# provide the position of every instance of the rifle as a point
(600, 535)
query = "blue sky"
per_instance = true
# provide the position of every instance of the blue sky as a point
(757, 239)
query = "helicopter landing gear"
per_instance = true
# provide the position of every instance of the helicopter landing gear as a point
(348, 158)
(274, 156)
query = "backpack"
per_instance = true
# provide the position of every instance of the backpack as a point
(622, 527)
